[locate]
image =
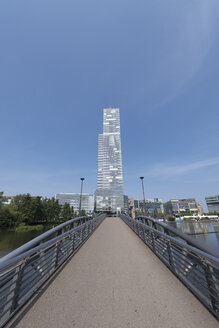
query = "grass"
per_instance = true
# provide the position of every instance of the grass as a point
(23, 227)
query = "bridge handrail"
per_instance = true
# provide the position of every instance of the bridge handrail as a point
(176, 233)
(198, 270)
(41, 238)
(22, 274)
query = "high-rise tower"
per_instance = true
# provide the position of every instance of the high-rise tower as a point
(109, 195)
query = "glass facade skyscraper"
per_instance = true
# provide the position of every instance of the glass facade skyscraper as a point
(109, 194)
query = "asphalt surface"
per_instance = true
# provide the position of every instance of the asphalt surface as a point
(115, 281)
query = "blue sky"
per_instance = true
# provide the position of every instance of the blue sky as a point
(62, 62)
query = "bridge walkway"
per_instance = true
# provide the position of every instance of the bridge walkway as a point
(115, 281)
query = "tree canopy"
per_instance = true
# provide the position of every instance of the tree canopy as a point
(34, 210)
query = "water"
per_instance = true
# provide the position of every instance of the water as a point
(10, 240)
(205, 232)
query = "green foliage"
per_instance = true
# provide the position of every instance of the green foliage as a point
(186, 213)
(171, 219)
(1, 198)
(27, 210)
(52, 210)
(191, 218)
(93, 214)
(67, 212)
(23, 227)
(7, 216)
(214, 213)
(83, 213)
(204, 218)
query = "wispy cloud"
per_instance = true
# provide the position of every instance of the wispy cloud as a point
(164, 170)
(184, 55)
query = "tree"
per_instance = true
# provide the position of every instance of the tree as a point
(8, 216)
(171, 218)
(57, 209)
(83, 213)
(34, 212)
(66, 212)
(30, 209)
(23, 204)
(1, 198)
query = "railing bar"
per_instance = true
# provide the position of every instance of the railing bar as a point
(44, 254)
(30, 269)
(187, 262)
(37, 272)
(38, 259)
(179, 234)
(42, 237)
(33, 282)
(3, 305)
(3, 313)
(200, 253)
(5, 287)
(197, 269)
(40, 248)
(4, 273)
(183, 267)
(180, 269)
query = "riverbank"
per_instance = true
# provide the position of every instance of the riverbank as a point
(23, 228)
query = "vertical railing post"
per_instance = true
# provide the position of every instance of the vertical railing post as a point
(18, 282)
(152, 241)
(170, 253)
(213, 289)
(56, 255)
(73, 242)
(170, 256)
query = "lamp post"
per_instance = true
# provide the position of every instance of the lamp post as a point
(142, 182)
(82, 179)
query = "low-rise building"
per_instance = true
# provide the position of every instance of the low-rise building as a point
(212, 203)
(154, 207)
(180, 206)
(73, 199)
(7, 200)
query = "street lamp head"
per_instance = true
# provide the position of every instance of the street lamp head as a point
(82, 179)
(141, 178)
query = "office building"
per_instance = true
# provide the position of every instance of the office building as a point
(137, 205)
(126, 204)
(212, 203)
(181, 206)
(154, 207)
(87, 201)
(109, 194)
(131, 207)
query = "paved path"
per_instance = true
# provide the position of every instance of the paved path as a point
(115, 281)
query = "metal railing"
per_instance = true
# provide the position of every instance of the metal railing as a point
(198, 270)
(25, 270)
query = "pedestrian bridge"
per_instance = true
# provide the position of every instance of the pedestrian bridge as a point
(113, 280)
